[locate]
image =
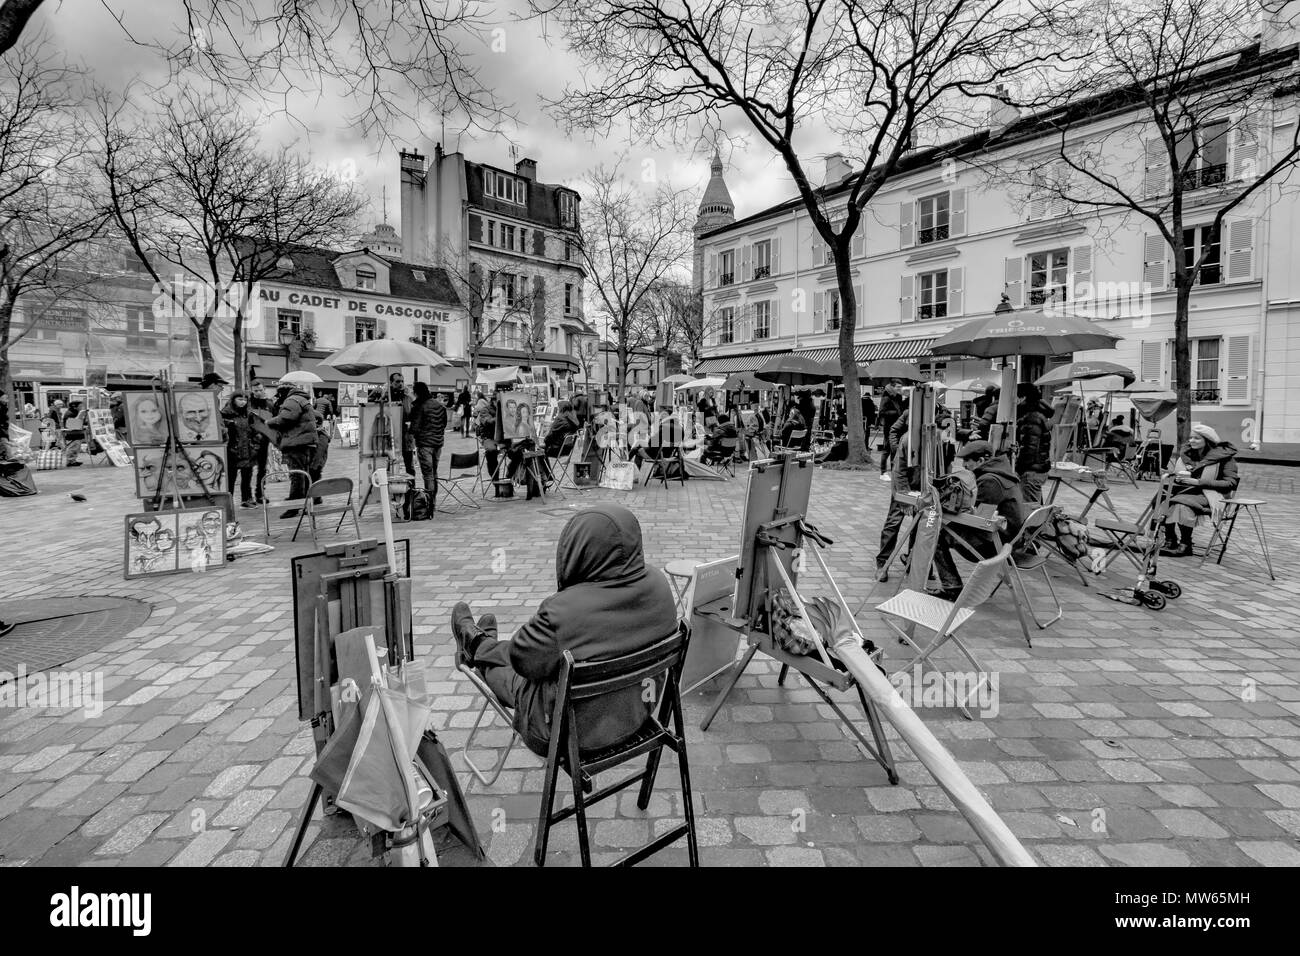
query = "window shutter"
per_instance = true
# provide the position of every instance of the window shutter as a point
(776, 256)
(860, 241)
(1013, 269)
(1152, 359)
(745, 273)
(1241, 249)
(775, 324)
(1155, 262)
(819, 308)
(349, 329)
(1246, 142)
(381, 329)
(906, 308)
(1081, 269)
(905, 224)
(1037, 206)
(956, 281)
(713, 270)
(957, 212)
(1156, 175)
(309, 321)
(1236, 389)
(818, 257)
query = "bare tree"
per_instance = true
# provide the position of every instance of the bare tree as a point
(494, 296)
(48, 207)
(209, 215)
(402, 61)
(680, 311)
(632, 241)
(1196, 133)
(882, 73)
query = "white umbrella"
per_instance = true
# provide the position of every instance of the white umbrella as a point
(301, 377)
(362, 357)
(701, 383)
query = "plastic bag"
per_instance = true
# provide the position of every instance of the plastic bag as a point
(20, 443)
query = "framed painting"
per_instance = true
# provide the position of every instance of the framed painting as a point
(209, 465)
(166, 542)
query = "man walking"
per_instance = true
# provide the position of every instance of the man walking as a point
(296, 421)
(428, 429)
(892, 407)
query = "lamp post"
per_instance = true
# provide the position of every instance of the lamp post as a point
(286, 337)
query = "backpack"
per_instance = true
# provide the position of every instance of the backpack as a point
(957, 492)
(420, 506)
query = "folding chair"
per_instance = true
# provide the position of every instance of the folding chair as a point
(456, 476)
(1033, 528)
(661, 456)
(276, 473)
(659, 665)
(796, 438)
(944, 618)
(564, 462)
(487, 777)
(311, 510)
(726, 464)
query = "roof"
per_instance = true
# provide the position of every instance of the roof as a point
(1033, 126)
(543, 198)
(716, 193)
(314, 267)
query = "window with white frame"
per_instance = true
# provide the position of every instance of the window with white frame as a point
(726, 325)
(512, 289)
(570, 300)
(762, 320)
(1049, 276)
(431, 337)
(1203, 240)
(762, 259)
(932, 295)
(507, 236)
(932, 218)
(568, 209)
(365, 330)
(727, 267)
(833, 311)
(1207, 370)
(366, 278)
(288, 320)
(506, 188)
(1203, 154)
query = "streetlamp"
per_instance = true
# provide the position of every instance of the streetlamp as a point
(287, 338)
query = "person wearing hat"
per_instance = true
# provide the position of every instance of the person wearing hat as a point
(893, 406)
(1033, 441)
(1206, 470)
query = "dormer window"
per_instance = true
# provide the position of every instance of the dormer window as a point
(507, 188)
(419, 275)
(284, 264)
(568, 209)
(366, 278)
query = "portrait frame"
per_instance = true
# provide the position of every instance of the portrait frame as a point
(171, 542)
(148, 463)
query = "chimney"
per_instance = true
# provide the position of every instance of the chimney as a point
(837, 167)
(1279, 24)
(1001, 115)
(527, 168)
(413, 205)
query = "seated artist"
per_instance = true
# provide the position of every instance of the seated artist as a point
(794, 422)
(1118, 438)
(565, 424)
(714, 451)
(997, 485)
(1204, 473)
(607, 603)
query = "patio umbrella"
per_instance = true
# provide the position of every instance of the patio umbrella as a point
(678, 379)
(701, 383)
(362, 357)
(796, 371)
(1083, 371)
(886, 370)
(1010, 331)
(301, 377)
(976, 385)
(746, 382)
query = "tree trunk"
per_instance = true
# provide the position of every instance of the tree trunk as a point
(622, 368)
(858, 454)
(205, 350)
(239, 351)
(1183, 357)
(6, 323)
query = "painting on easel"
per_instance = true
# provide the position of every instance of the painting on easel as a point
(209, 464)
(167, 542)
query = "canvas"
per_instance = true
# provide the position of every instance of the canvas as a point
(515, 413)
(146, 425)
(209, 465)
(165, 542)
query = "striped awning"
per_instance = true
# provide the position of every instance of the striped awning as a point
(729, 364)
(873, 351)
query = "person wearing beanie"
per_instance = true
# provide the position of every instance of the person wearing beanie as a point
(1205, 473)
(1033, 440)
(428, 428)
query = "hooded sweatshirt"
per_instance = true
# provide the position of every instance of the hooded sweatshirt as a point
(997, 484)
(607, 603)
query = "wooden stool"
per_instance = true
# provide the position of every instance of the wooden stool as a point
(1232, 507)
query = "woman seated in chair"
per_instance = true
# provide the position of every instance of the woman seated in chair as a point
(794, 422)
(1206, 473)
(714, 449)
(566, 423)
(607, 604)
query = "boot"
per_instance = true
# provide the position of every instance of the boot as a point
(1178, 549)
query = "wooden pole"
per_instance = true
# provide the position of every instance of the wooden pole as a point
(1002, 843)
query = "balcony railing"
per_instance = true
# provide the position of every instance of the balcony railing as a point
(762, 272)
(937, 311)
(727, 278)
(933, 234)
(1211, 175)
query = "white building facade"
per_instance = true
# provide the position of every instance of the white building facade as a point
(945, 240)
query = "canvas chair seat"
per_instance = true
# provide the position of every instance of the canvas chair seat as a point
(927, 610)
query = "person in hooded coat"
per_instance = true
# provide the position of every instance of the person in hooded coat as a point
(241, 447)
(1206, 469)
(608, 603)
(1034, 439)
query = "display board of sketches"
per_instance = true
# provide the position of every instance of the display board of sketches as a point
(167, 542)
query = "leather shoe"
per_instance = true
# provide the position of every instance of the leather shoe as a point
(1181, 551)
(466, 633)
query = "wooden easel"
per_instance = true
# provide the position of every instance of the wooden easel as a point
(792, 532)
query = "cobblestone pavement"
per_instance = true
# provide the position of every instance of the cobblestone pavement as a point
(1123, 737)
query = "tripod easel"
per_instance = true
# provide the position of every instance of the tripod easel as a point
(174, 448)
(767, 565)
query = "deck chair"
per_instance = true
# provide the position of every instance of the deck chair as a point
(944, 618)
(321, 489)
(461, 470)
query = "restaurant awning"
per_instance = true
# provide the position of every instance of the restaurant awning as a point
(727, 364)
(873, 351)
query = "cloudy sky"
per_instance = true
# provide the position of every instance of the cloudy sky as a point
(524, 66)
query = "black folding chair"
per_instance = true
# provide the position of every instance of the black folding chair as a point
(723, 460)
(564, 462)
(311, 510)
(462, 469)
(658, 666)
(663, 457)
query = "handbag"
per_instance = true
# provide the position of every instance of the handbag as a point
(49, 459)
(619, 477)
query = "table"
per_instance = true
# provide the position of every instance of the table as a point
(1232, 507)
(1077, 482)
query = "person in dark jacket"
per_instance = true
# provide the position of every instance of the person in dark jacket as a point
(708, 407)
(892, 407)
(259, 406)
(607, 603)
(581, 407)
(808, 409)
(565, 424)
(714, 451)
(295, 420)
(396, 394)
(428, 429)
(1034, 440)
(868, 414)
(794, 422)
(241, 449)
(1205, 468)
(322, 448)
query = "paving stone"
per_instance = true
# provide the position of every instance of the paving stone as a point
(1144, 854)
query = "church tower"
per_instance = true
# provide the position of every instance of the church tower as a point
(716, 209)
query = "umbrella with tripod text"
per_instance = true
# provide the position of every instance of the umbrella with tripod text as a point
(1009, 331)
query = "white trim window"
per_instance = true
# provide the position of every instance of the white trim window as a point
(366, 278)
(933, 218)
(727, 268)
(726, 325)
(431, 337)
(570, 300)
(932, 295)
(763, 259)
(1203, 154)
(1049, 276)
(288, 320)
(833, 310)
(506, 188)
(1199, 240)
(568, 209)
(1207, 370)
(762, 320)
(366, 330)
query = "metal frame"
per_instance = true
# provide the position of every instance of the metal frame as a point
(1252, 506)
(452, 483)
(279, 474)
(489, 700)
(310, 510)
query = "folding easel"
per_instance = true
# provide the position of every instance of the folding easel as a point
(767, 559)
(172, 449)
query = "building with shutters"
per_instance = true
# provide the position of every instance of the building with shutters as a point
(482, 222)
(944, 240)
